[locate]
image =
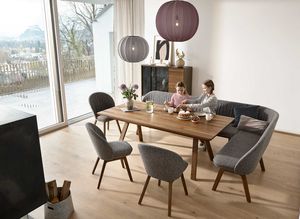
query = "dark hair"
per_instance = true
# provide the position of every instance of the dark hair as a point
(210, 83)
(181, 84)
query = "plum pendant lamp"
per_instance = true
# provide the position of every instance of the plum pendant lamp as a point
(177, 21)
(133, 48)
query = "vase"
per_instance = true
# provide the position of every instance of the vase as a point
(180, 63)
(129, 104)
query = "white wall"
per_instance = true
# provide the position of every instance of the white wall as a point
(102, 30)
(250, 48)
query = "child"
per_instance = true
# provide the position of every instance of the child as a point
(180, 95)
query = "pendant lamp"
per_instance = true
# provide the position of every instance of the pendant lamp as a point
(133, 48)
(177, 21)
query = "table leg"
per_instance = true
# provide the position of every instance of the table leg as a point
(209, 150)
(140, 133)
(124, 130)
(194, 159)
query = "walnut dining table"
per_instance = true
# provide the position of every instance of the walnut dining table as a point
(161, 120)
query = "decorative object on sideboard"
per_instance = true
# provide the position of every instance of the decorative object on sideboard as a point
(172, 55)
(180, 62)
(129, 94)
(161, 50)
(177, 21)
(133, 48)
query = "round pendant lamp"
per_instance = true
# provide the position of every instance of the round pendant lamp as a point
(133, 48)
(177, 21)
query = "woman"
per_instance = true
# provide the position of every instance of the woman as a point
(206, 103)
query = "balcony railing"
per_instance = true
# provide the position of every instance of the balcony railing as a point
(15, 78)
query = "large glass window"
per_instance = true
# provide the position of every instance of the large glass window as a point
(24, 76)
(29, 65)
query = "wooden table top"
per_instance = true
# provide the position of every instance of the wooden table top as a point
(161, 120)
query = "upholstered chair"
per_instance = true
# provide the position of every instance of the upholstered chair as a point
(163, 165)
(101, 101)
(108, 151)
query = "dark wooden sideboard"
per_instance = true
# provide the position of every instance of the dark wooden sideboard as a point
(164, 78)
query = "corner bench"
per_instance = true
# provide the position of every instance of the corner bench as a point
(244, 149)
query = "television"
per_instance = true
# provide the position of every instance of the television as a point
(22, 182)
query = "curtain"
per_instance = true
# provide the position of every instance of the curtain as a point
(126, 13)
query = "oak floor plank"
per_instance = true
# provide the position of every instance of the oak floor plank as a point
(68, 154)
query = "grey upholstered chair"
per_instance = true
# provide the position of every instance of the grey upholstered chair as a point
(101, 101)
(163, 165)
(108, 151)
(244, 151)
(158, 97)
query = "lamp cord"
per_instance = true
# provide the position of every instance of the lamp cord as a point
(132, 17)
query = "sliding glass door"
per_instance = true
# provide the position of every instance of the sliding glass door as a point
(86, 52)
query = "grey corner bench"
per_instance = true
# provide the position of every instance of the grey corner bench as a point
(244, 150)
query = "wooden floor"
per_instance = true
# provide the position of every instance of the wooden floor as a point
(68, 154)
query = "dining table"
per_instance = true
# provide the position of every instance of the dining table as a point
(159, 119)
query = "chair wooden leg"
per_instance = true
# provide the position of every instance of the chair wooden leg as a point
(202, 142)
(184, 185)
(137, 130)
(104, 128)
(170, 199)
(95, 165)
(122, 163)
(108, 125)
(217, 180)
(144, 189)
(159, 182)
(101, 175)
(245, 184)
(119, 127)
(209, 150)
(128, 169)
(262, 165)
(140, 133)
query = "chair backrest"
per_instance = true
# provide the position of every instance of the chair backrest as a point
(100, 101)
(161, 163)
(100, 143)
(158, 97)
(250, 160)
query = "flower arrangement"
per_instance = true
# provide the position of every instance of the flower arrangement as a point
(129, 92)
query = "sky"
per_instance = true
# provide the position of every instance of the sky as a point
(17, 15)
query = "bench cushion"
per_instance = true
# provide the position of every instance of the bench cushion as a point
(252, 125)
(235, 149)
(228, 132)
(251, 111)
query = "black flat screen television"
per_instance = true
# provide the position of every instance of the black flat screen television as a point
(22, 182)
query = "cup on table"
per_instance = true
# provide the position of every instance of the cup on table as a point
(149, 106)
(170, 110)
(209, 116)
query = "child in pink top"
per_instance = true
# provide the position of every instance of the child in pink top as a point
(180, 95)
